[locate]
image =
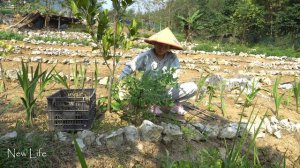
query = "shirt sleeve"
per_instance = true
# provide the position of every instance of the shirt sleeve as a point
(175, 64)
(136, 64)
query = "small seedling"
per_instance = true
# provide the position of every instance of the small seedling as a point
(275, 94)
(222, 107)
(211, 92)
(200, 84)
(250, 96)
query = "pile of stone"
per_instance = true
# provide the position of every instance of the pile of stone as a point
(168, 133)
(56, 34)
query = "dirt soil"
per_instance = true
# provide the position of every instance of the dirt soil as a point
(148, 154)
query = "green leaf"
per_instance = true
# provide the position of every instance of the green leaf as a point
(74, 7)
(80, 154)
(116, 106)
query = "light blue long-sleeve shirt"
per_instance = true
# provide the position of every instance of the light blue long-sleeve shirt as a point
(148, 62)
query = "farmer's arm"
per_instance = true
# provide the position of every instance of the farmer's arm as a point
(136, 64)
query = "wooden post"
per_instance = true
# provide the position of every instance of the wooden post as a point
(59, 23)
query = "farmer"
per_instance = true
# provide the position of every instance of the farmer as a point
(158, 58)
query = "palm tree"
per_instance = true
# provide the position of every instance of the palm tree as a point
(190, 24)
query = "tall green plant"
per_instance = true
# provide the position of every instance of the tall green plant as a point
(62, 79)
(96, 76)
(107, 38)
(276, 96)
(29, 87)
(296, 90)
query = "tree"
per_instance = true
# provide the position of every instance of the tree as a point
(247, 21)
(288, 23)
(190, 24)
(108, 38)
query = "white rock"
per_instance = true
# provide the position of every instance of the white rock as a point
(9, 135)
(115, 139)
(261, 135)
(150, 131)
(36, 59)
(274, 120)
(286, 86)
(297, 127)
(17, 59)
(131, 134)
(284, 123)
(278, 134)
(104, 81)
(80, 144)
(12, 74)
(87, 136)
(228, 131)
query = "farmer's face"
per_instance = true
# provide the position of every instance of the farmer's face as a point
(161, 49)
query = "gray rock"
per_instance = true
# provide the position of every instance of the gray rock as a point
(131, 134)
(222, 153)
(9, 135)
(228, 131)
(194, 134)
(212, 130)
(214, 80)
(115, 139)
(62, 136)
(100, 140)
(199, 126)
(150, 131)
(278, 134)
(171, 132)
(87, 136)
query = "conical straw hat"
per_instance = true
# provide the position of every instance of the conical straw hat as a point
(165, 37)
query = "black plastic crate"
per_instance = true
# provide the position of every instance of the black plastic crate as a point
(72, 109)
